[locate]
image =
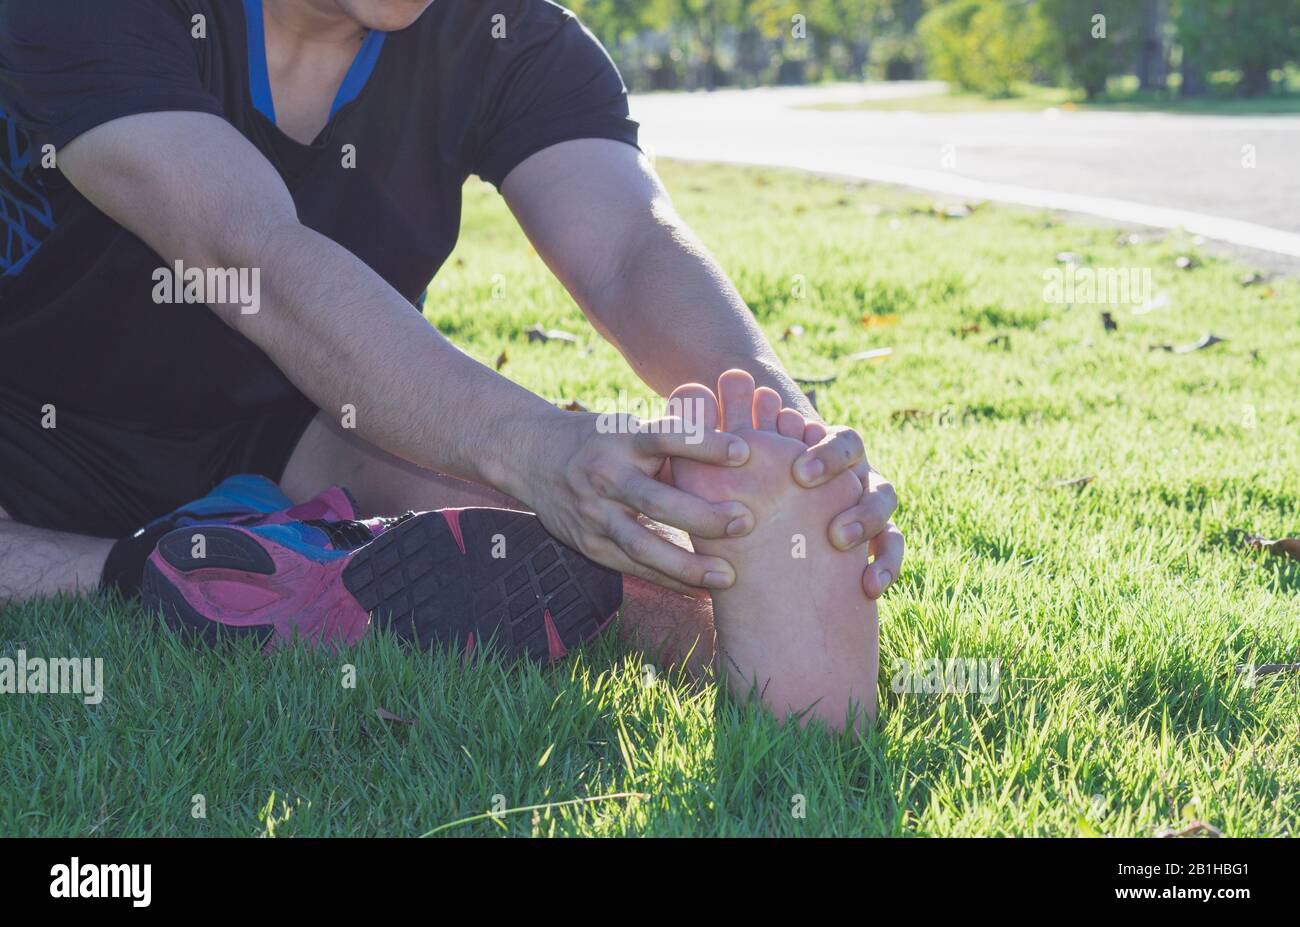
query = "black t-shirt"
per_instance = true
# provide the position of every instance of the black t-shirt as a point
(425, 108)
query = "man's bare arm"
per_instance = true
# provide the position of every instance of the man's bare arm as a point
(195, 190)
(600, 218)
(606, 227)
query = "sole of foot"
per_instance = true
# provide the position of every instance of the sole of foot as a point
(796, 627)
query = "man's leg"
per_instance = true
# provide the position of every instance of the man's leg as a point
(36, 563)
(670, 627)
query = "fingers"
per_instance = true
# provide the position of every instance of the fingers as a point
(684, 511)
(866, 519)
(671, 437)
(832, 455)
(887, 548)
(791, 424)
(814, 433)
(736, 392)
(658, 560)
(767, 406)
(615, 559)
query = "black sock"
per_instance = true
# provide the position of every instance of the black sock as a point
(124, 568)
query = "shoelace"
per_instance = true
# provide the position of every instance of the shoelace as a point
(349, 535)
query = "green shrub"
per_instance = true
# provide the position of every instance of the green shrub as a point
(987, 46)
(1082, 50)
(1251, 37)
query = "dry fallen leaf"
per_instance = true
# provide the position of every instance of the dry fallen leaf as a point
(572, 405)
(385, 715)
(1283, 547)
(911, 415)
(1159, 301)
(875, 356)
(1077, 482)
(537, 333)
(794, 331)
(501, 360)
(1205, 341)
(1139, 238)
(972, 329)
(879, 321)
(1194, 829)
(1267, 669)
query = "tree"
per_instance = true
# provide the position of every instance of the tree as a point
(1257, 36)
(1151, 63)
(613, 21)
(1251, 37)
(986, 46)
(1086, 47)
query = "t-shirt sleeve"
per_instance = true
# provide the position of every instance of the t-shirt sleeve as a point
(67, 66)
(548, 81)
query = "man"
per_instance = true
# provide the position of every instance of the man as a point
(323, 144)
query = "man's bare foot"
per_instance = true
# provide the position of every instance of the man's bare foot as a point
(796, 625)
(675, 631)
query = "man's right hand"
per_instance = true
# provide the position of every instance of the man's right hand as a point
(588, 485)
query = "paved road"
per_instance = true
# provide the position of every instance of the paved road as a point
(1146, 168)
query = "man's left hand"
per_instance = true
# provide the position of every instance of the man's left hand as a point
(832, 450)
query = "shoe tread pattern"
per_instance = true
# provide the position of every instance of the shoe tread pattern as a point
(223, 549)
(416, 581)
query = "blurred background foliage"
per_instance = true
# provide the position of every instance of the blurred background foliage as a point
(1157, 48)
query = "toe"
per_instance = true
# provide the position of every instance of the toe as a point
(736, 392)
(695, 404)
(767, 406)
(814, 433)
(791, 424)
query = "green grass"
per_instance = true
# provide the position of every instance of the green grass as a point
(1119, 611)
(1122, 96)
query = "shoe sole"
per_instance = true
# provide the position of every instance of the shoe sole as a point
(462, 578)
(455, 579)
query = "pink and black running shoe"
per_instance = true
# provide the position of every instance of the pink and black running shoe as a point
(452, 579)
(246, 500)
